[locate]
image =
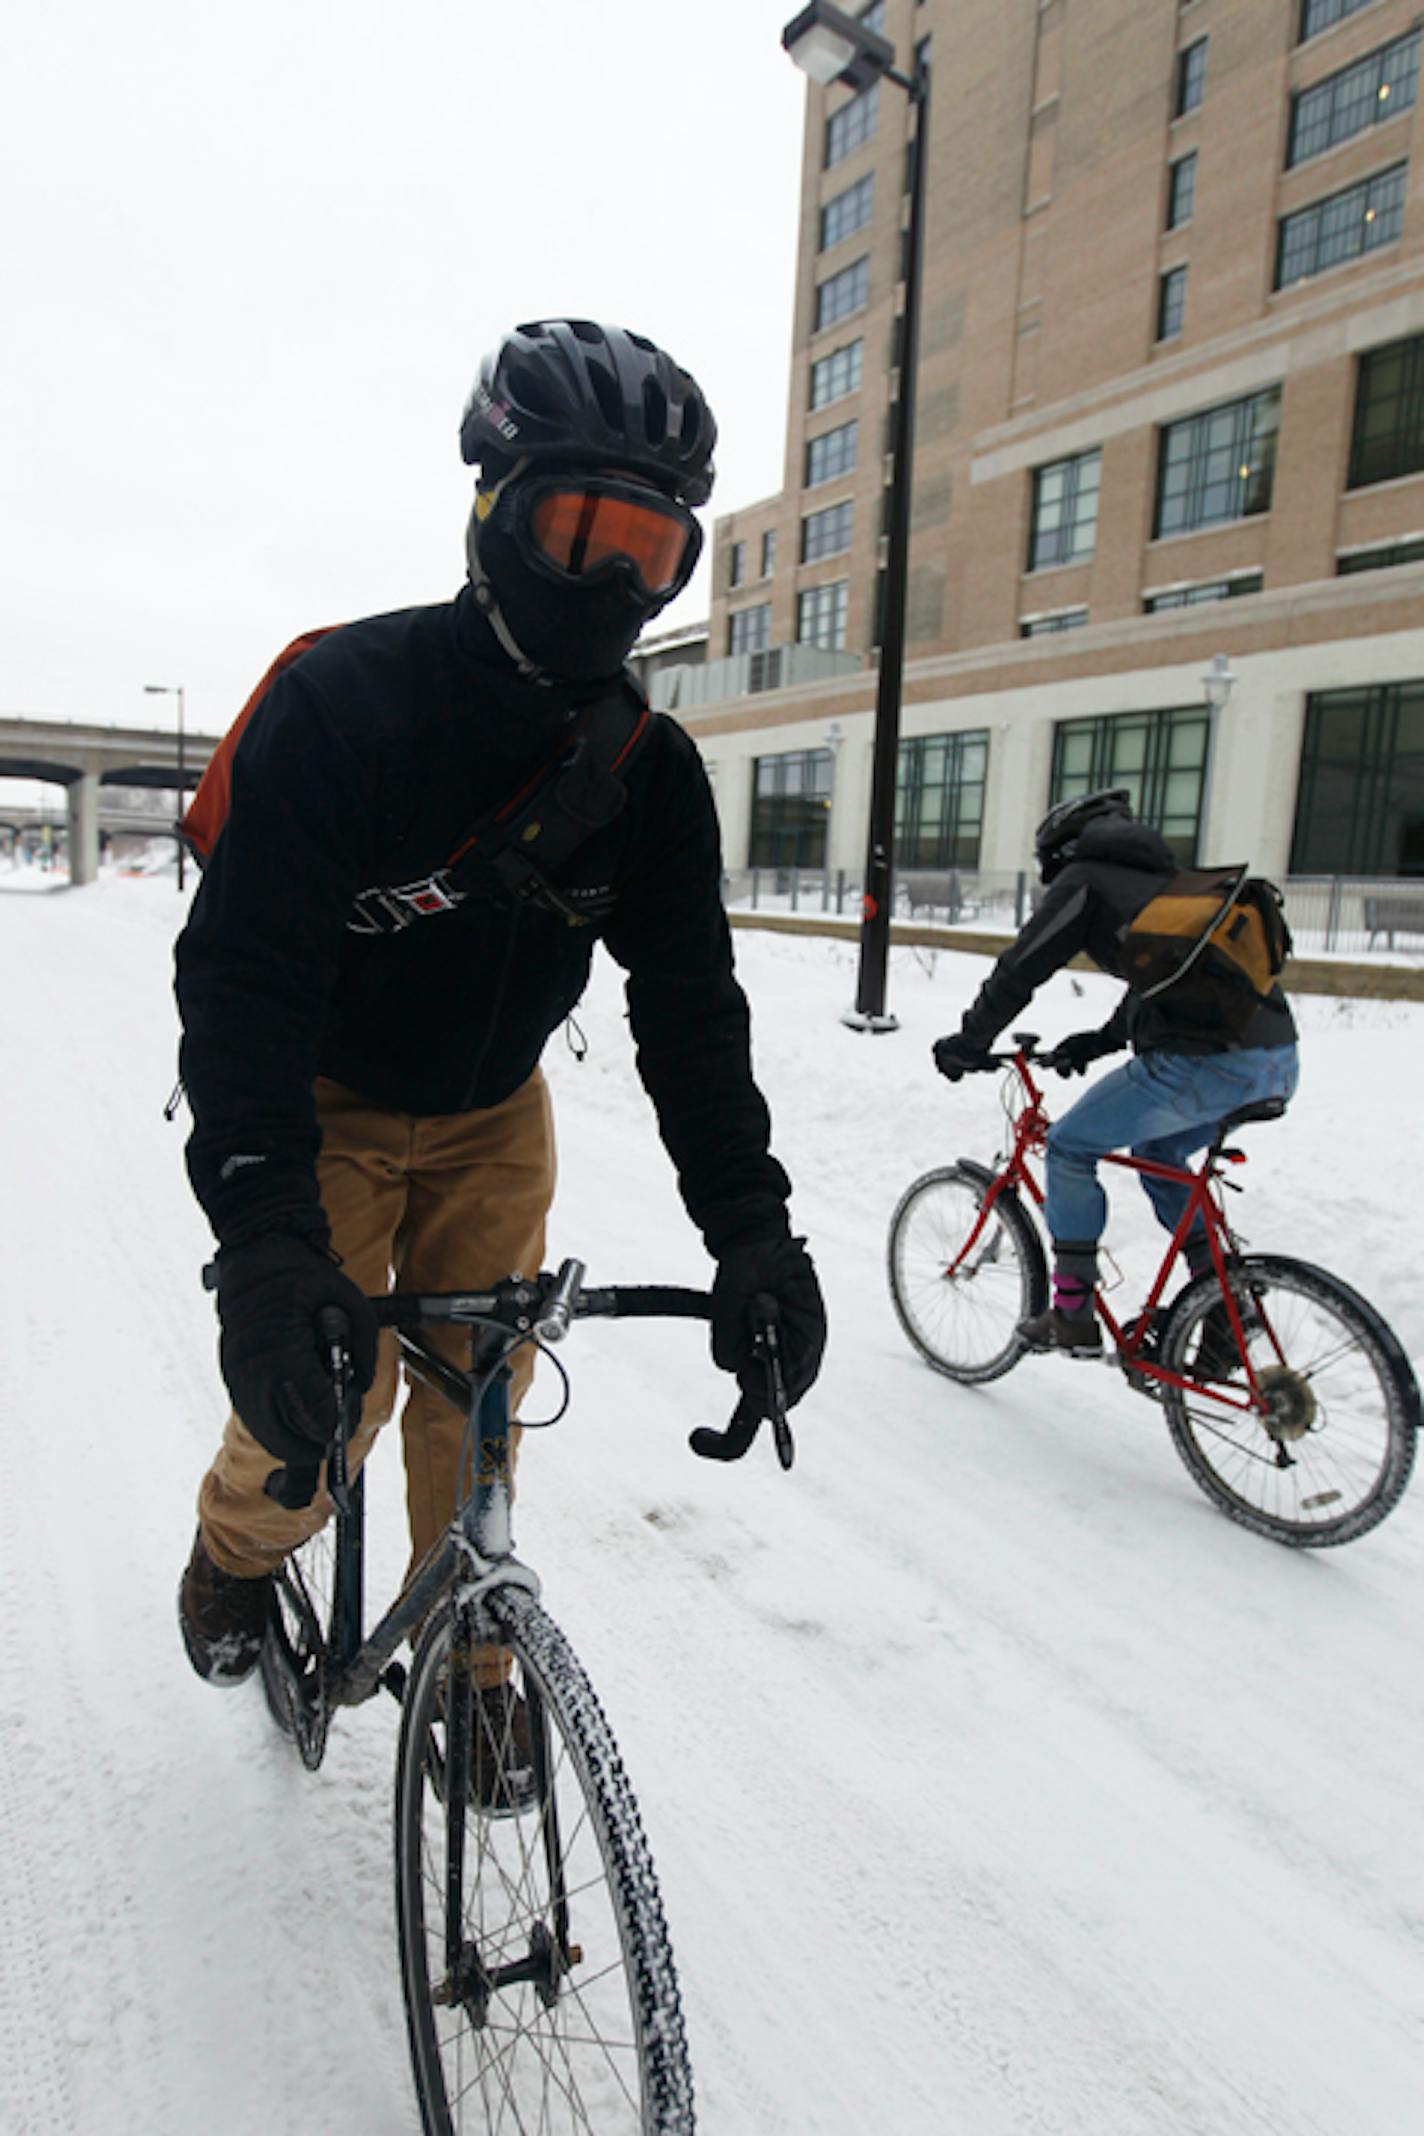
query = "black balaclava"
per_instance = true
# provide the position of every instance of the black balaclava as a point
(553, 633)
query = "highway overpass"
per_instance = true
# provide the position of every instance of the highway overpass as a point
(85, 758)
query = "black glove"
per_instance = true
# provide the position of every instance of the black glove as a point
(959, 1056)
(270, 1291)
(780, 1269)
(1072, 1055)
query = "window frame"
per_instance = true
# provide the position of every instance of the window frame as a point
(1335, 95)
(1406, 437)
(1307, 27)
(1107, 734)
(1171, 302)
(854, 281)
(834, 521)
(791, 806)
(1070, 520)
(859, 194)
(955, 838)
(832, 595)
(851, 126)
(740, 625)
(841, 457)
(1252, 438)
(1368, 769)
(1190, 89)
(1311, 222)
(854, 353)
(1176, 218)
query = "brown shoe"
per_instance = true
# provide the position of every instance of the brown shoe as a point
(223, 1619)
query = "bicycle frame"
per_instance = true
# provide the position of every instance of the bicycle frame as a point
(1030, 1138)
(475, 1548)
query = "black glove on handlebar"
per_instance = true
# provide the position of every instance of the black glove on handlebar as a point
(780, 1269)
(1072, 1055)
(270, 1291)
(958, 1055)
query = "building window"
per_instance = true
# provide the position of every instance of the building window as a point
(1160, 757)
(939, 800)
(749, 629)
(1318, 15)
(826, 533)
(768, 552)
(851, 126)
(1191, 78)
(1171, 303)
(1381, 557)
(1388, 438)
(791, 807)
(1181, 190)
(736, 563)
(1227, 589)
(833, 376)
(1065, 510)
(843, 293)
(1374, 89)
(821, 616)
(1049, 626)
(1342, 227)
(831, 454)
(1217, 465)
(1360, 808)
(848, 212)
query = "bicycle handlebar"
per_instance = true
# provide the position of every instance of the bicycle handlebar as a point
(544, 1308)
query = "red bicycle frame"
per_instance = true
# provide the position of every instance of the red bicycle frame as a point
(1030, 1128)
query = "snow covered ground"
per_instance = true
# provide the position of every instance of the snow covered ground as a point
(997, 1783)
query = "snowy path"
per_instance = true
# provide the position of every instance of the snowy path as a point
(997, 1784)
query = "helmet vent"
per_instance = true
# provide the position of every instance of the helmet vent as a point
(655, 411)
(640, 341)
(528, 391)
(694, 415)
(606, 393)
(586, 330)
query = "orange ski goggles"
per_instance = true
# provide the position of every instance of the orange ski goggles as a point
(579, 530)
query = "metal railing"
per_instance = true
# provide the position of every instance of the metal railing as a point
(1329, 916)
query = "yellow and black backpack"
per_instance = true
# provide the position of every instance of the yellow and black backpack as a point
(1216, 939)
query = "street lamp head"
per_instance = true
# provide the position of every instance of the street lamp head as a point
(831, 46)
(1218, 681)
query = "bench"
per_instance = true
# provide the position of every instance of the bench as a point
(1391, 915)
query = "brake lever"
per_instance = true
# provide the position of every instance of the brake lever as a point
(747, 1417)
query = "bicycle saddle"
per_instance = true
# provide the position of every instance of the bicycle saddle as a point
(1263, 1109)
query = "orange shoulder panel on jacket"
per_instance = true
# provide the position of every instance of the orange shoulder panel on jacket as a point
(206, 813)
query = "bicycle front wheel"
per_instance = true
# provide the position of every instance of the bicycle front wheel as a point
(539, 1980)
(963, 1315)
(1329, 1451)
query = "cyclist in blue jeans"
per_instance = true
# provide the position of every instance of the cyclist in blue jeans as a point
(1100, 867)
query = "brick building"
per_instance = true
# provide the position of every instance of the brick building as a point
(1170, 405)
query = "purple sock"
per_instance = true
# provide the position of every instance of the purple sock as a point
(1070, 1295)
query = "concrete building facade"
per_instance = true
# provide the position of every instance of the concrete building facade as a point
(1170, 405)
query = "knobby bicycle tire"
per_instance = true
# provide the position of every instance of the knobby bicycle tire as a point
(564, 1894)
(966, 1326)
(1335, 1455)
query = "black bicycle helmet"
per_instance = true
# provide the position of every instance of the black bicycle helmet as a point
(569, 390)
(1059, 832)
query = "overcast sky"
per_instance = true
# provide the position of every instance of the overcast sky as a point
(252, 251)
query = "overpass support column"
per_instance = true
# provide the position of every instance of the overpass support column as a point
(83, 797)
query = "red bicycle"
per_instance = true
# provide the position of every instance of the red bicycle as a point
(1288, 1397)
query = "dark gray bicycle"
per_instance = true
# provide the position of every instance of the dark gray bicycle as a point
(540, 1988)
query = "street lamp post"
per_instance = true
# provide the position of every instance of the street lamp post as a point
(831, 46)
(165, 689)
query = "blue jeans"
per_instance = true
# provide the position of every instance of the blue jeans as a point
(1163, 1106)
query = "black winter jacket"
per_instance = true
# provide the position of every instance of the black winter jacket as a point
(365, 765)
(1118, 866)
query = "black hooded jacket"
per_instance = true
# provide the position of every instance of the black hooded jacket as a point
(1117, 866)
(365, 765)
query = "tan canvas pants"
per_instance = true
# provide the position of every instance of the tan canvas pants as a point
(450, 1203)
